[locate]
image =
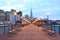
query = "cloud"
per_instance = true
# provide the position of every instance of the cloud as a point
(38, 6)
(20, 5)
(26, 0)
(7, 8)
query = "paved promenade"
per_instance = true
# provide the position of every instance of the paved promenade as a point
(31, 32)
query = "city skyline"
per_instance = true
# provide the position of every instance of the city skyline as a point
(39, 7)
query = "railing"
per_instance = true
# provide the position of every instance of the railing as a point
(55, 28)
(51, 26)
(6, 28)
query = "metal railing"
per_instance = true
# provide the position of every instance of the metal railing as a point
(5, 28)
(55, 28)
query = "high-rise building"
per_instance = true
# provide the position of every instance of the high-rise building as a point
(31, 15)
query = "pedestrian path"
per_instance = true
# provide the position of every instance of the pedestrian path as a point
(31, 32)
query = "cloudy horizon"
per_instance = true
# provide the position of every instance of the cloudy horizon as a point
(39, 7)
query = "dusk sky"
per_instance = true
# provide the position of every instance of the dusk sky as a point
(39, 7)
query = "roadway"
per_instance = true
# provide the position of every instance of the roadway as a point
(31, 32)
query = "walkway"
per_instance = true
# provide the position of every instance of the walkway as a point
(31, 32)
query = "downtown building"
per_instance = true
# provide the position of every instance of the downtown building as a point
(11, 17)
(2, 15)
(8, 16)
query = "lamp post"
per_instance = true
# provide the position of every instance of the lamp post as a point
(15, 17)
(47, 13)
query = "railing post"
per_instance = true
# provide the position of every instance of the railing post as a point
(11, 27)
(4, 28)
(51, 27)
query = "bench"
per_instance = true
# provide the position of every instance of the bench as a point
(12, 31)
(52, 33)
(17, 29)
(44, 29)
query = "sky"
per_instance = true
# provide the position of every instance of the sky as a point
(39, 7)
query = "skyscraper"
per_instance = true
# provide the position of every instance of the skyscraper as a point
(31, 15)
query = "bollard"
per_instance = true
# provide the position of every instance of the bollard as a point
(59, 29)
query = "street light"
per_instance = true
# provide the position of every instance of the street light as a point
(47, 13)
(15, 13)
